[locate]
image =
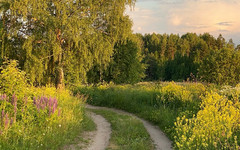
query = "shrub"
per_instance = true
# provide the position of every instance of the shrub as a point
(12, 79)
(214, 126)
(175, 95)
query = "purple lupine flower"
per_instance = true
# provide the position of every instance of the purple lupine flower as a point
(38, 104)
(7, 99)
(15, 108)
(43, 106)
(14, 99)
(41, 102)
(11, 122)
(6, 121)
(54, 104)
(3, 97)
(3, 114)
(46, 100)
(50, 105)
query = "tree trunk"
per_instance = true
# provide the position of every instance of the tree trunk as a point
(60, 78)
(59, 73)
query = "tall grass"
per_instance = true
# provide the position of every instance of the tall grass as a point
(160, 104)
(193, 115)
(36, 118)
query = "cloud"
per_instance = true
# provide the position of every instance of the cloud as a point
(221, 31)
(181, 16)
(225, 23)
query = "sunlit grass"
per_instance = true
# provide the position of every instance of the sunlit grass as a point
(168, 104)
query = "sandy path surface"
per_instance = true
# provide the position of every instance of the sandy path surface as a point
(98, 139)
(159, 139)
(101, 139)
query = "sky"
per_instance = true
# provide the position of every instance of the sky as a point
(182, 16)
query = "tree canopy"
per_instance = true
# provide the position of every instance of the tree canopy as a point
(54, 39)
(89, 41)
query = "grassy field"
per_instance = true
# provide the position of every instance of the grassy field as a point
(37, 118)
(193, 115)
(127, 132)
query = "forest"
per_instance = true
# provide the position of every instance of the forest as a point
(57, 56)
(60, 48)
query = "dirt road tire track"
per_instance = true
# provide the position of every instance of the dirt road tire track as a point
(102, 136)
(159, 139)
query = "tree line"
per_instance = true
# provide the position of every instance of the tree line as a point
(191, 57)
(69, 42)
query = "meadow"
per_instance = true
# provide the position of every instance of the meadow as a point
(48, 46)
(193, 115)
(36, 117)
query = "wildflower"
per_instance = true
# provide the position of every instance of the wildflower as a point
(6, 121)
(14, 99)
(11, 122)
(3, 114)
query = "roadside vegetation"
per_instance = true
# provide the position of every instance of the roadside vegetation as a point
(36, 117)
(193, 115)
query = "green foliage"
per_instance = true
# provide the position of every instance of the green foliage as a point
(190, 57)
(50, 38)
(37, 126)
(158, 103)
(12, 79)
(126, 66)
(36, 118)
(221, 67)
(214, 126)
(189, 113)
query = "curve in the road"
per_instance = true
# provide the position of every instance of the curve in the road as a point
(159, 139)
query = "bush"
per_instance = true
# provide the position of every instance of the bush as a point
(175, 95)
(214, 127)
(12, 79)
